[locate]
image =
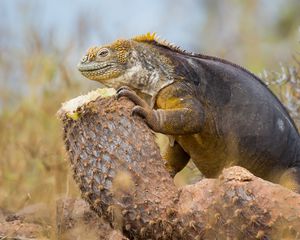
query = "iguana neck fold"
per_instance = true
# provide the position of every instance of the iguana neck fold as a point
(151, 70)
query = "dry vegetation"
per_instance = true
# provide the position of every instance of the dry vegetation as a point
(34, 80)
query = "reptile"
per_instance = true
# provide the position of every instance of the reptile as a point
(215, 112)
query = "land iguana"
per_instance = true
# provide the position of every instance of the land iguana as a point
(217, 113)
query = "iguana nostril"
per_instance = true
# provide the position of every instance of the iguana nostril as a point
(84, 59)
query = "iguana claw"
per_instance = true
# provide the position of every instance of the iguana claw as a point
(123, 88)
(127, 92)
(139, 111)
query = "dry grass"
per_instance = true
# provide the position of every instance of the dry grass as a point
(32, 157)
(33, 164)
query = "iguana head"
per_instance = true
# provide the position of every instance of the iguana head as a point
(138, 63)
(106, 62)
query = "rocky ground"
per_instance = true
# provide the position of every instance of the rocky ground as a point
(277, 212)
(74, 220)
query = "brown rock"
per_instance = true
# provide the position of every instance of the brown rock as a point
(18, 230)
(75, 220)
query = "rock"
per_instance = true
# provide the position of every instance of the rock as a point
(75, 220)
(18, 230)
(34, 213)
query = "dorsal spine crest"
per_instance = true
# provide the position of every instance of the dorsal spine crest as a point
(154, 39)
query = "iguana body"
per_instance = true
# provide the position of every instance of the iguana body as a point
(218, 113)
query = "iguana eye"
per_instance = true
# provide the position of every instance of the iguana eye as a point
(103, 52)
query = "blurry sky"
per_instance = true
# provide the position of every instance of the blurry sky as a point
(253, 33)
(108, 19)
(178, 20)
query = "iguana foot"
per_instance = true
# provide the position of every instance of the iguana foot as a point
(123, 88)
(141, 109)
(125, 91)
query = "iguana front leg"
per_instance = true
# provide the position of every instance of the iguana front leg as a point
(181, 115)
(175, 157)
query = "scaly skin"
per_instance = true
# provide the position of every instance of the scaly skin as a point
(218, 113)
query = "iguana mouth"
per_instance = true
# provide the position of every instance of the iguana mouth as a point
(91, 68)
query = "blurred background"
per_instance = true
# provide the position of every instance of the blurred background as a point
(42, 41)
